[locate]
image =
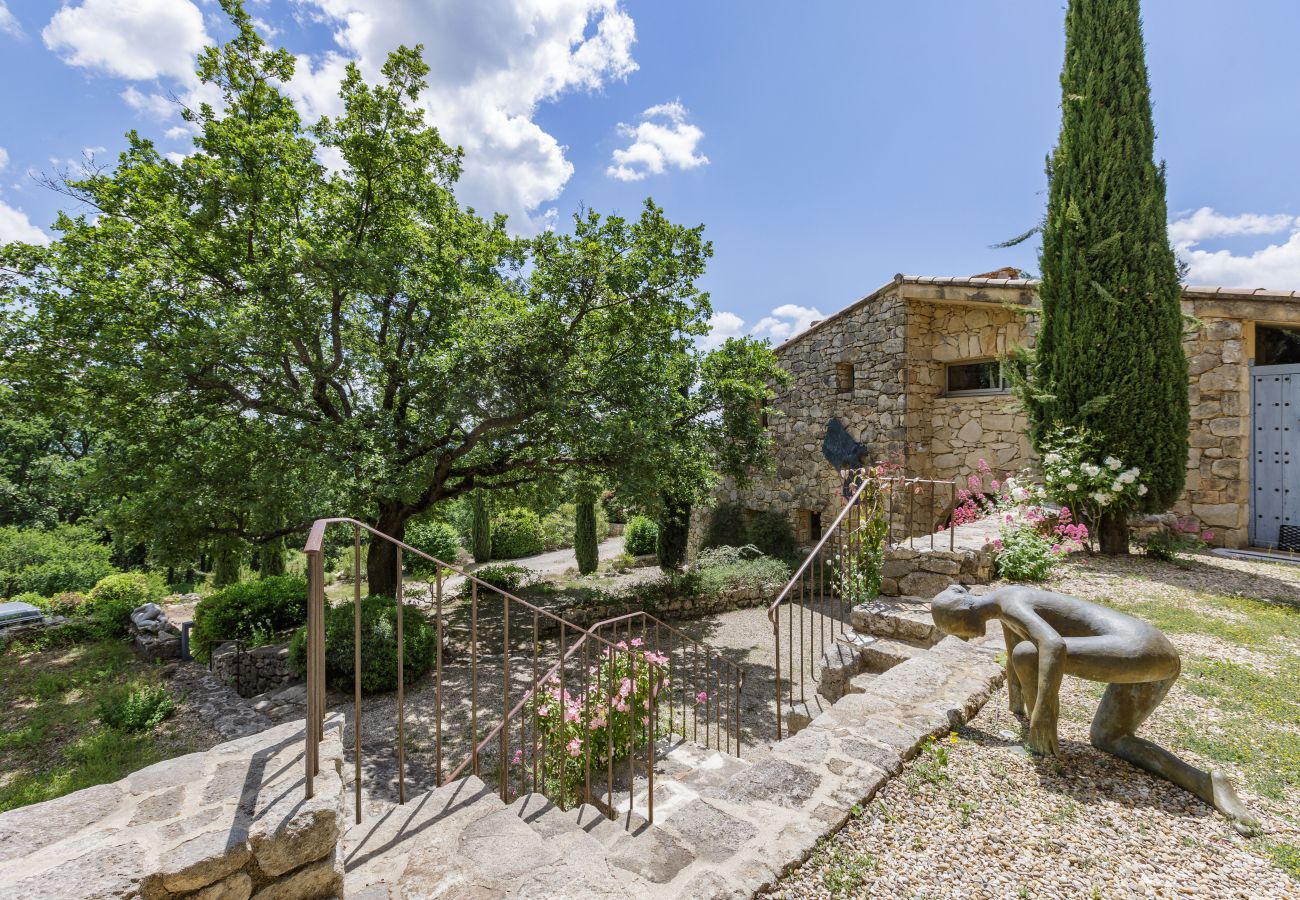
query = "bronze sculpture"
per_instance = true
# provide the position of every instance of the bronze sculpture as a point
(1051, 635)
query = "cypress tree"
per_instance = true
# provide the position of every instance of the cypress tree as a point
(584, 533)
(270, 558)
(1109, 354)
(674, 530)
(480, 536)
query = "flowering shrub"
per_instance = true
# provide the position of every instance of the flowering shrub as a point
(858, 580)
(609, 720)
(1166, 544)
(1080, 475)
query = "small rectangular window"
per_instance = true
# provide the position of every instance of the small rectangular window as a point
(760, 407)
(1276, 346)
(844, 378)
(983, 377)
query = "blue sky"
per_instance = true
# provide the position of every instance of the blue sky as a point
(826, 145)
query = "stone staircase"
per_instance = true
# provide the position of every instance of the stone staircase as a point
(462, 840)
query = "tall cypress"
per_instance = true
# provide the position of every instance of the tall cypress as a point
(1109, 353)
(585, 546)
(480, 536)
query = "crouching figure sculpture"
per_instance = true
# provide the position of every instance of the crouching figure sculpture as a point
(1051, 635)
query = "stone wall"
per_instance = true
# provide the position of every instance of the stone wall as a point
(871, 339)
(924, 573)
(255, 671)
(693, 607)
(948, 435)
(228, 824)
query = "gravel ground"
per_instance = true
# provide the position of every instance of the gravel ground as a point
(993, 821)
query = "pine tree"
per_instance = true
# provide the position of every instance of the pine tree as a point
(1109, 354)
(480, 537)
(584, 533)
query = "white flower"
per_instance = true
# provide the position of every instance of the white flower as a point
(1090, 470)
(1117, 486)
(1142, 490)
(1019, 494)
(1127, 477)
(1071, 487)
(1112, 463)
(1052, 458)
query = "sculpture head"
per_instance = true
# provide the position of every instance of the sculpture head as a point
(958, 611)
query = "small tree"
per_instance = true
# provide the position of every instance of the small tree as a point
(584, 532)
(480, 537)
(674, 530)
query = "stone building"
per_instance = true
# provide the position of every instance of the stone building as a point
(912, 372)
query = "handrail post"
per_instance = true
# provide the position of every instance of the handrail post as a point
(401, 691)
(315, 617)
(356, 660)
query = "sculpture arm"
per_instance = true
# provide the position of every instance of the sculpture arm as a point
(1050, 647)
(1015, 694)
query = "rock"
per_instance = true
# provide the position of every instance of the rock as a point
(205, 859)
(924, 584)
(237, 887)
(319, 879)
(148, 619)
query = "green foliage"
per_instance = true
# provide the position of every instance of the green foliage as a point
(438, 539)
(51, 561)
(640, 536)
(723, 569)
(560, 526)
(844, 869)
(114, 598)
(1167, 543)
(43, 464)
(1109, 355)
(378, 645)
(515, 533)
(1026, 554)
(585, 542)
(507, 577)
(674, 524)
(137, 709)
(240, 611)
(772, 533)
(480, 529)
(726, 526)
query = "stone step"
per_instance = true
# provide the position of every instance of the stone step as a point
(853, 656)
(905, 618)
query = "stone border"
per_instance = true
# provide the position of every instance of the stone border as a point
(924, 573)
(256, 671)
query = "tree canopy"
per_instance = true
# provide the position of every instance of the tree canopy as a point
(266, 338)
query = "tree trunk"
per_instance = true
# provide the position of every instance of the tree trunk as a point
(1112, 534)
(381, 557)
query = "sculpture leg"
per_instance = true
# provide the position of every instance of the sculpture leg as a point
(1123, 708)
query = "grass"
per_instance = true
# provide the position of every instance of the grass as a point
(1237, 620)
(52, 737)
(843, 870)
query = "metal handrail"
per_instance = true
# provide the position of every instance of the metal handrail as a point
(587, 641)
(839, 548)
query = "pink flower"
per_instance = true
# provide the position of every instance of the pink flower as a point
(702, 697)
(575, 746)
(1207, 536)
(622, 645)
(984, 466)
(637, 642)
(519, 754)
(996, 485)
(625, 688)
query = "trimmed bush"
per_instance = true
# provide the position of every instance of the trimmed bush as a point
(241, 611)
(726, 527)
(722, 569)
(51, 561)
(508, 578)
(560, 527)
(140, 709)
(378, 645)
(437, 539)
(517, 532)
(771, 532)
(113, 600)
(640, 536)
(70, 604)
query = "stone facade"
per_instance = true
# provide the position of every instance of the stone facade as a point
(255, 671)
(898, 341)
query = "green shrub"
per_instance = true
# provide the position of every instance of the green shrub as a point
(640, 536)
(722, 569)
(51, 561)
(35, 599)
(139, 709)
(508, 578)
(438, 539)
(1026, 554)
(114, 598)
(726, 526)
(242, 610)
(378, 645)
(559, 528)
(674, 531)
(517, 532)
(771, 532)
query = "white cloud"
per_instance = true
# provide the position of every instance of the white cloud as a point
(663, 139)
(722, 326)
(8, 24)
(786, 321)
(133, 39)
(265, 28)
(4, 159)
(15, 226)
(492, 62)
(1276, 266)
(780, 324)
(157, 106)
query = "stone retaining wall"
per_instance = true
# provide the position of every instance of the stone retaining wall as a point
(255, 671)
(678, 608)
(924, 573)
(229, 824)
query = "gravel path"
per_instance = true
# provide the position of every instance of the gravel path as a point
(994, 821)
